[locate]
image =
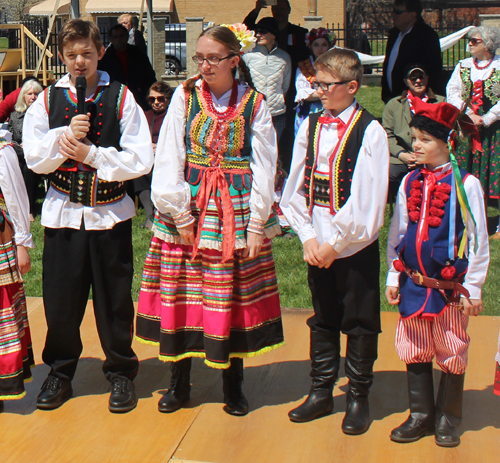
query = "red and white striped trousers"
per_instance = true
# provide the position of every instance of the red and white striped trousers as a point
(445, 337)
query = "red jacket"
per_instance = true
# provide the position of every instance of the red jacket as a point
(8, 103)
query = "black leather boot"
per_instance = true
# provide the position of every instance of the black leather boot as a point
(180, 387)
(420, 423)
(235, 401)
(449, 409)
(361, 354)
(325, 362)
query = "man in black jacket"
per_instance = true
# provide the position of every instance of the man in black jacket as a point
(129, 66)
(410, 41)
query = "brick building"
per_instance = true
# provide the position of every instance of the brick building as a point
(450, 13)
(231, 11)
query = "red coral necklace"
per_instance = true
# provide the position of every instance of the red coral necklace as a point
(439, 194)
(476, 61)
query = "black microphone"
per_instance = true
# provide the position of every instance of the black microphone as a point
(81, 91)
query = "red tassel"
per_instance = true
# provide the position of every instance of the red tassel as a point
(448, 272)
(434, 221)
(436, 212)
(414, 216)
(398, 265)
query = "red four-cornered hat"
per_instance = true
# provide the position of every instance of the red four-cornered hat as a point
(443, 113)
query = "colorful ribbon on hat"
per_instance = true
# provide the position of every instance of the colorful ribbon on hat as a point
(458, 193)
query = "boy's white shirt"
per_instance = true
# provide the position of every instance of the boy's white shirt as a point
(42, 155)
(478, 262)
(358, 222)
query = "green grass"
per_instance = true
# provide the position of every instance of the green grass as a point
(4, 42)
(290, 266)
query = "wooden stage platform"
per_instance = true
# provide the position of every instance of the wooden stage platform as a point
(83, 430)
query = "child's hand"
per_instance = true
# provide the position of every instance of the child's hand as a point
(73, 148)
(328, 255)
(392, 295)
(311, 252)
(80, 125)
(254, 244)
(472, 306)
(23, 260)
(187, 234)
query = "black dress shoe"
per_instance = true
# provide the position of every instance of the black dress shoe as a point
(122, 398)
(54, 393)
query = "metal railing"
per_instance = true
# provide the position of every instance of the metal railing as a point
(175, 44)
(357, 39)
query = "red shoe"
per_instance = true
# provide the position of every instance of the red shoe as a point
(496, 387)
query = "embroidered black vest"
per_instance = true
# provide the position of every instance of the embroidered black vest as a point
(336, 191)
(80, 182)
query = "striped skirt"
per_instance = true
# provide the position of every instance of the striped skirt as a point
(16, 356)
(208, 309)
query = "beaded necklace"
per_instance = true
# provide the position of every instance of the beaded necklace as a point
(231, 108)
(476, 65)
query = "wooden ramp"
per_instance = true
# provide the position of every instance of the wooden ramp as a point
(83, 430)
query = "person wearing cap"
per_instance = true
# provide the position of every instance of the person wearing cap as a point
(271, 70)
(396, 121)
(410, 41)
(438, 257)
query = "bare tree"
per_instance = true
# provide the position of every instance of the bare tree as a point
(374, 12)
(14, 8)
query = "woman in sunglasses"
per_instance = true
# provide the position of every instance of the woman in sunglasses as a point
(209, 286)
(475, 87)
(308, 101)
(159, 97)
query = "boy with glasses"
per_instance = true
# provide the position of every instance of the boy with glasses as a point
(335, 201)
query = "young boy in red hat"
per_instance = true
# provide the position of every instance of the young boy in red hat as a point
(438, 258)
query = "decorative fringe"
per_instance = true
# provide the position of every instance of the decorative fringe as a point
(13, 397)
(167, 237)
(146, 341)
(219, 366)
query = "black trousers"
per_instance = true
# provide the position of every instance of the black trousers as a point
(346, 296)
(73, 262)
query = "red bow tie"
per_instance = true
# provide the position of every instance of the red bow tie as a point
(329, 120)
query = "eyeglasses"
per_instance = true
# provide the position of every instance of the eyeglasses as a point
(474, 42)
(160, 99)
(398, 11)
(325, 86)
(415, 78)
(213, 60)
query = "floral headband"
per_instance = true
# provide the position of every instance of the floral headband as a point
(245, 36)
(320, 33)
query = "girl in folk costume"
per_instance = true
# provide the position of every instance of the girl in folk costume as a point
(16, 356)
(209, 285)
(476, 81)
(307, 98)
(438, 260)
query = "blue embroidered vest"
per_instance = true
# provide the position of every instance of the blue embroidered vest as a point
(429, 257)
